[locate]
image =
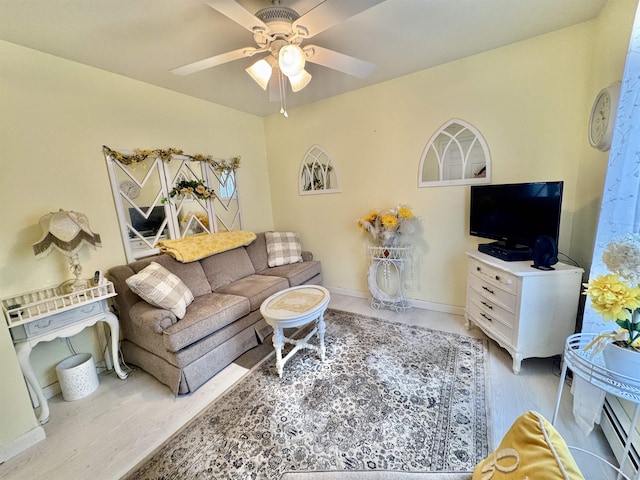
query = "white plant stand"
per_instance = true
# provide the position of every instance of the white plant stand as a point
(591, 368)
(44, 315)
(386, 277)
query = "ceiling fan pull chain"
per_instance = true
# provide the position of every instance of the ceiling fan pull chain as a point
(283, 93)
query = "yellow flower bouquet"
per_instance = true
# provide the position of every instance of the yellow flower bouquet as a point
(389, 225)
(616, 296)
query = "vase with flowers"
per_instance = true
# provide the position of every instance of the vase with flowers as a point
(616, 296)
(387, 227)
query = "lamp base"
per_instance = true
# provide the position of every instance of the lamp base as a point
(75, 285)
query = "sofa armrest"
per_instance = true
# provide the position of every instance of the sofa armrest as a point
(147, 317)
(307, 256)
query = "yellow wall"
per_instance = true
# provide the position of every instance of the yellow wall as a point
(56, 115)
(528, 101)
(610, 42)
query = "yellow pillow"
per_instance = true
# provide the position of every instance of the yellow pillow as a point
(532, 449)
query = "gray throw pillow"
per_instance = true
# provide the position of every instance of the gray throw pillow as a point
(161, 288)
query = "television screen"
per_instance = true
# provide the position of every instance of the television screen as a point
(146, 226)
(516, 214)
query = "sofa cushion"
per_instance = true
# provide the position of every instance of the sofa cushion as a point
(206, 315)
(283, 248)
(191, 274)
(295, 273)
(257, 252)
(227, 267)
(161, 288)
(257, 288)
(531, 448)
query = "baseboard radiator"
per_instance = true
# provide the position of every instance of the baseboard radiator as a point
(615, 423)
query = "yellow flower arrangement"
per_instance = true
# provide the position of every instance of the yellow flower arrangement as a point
(388, 226)
(616, 296)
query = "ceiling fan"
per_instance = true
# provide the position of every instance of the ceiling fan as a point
(279, 32)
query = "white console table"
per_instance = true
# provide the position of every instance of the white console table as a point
(44, 315)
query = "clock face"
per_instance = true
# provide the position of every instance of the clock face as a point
(600, 118)
(130, 189)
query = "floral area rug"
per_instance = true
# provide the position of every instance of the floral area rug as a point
(387, 397)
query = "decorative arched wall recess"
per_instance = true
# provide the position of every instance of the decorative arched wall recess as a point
(456, 154)
(318, 173)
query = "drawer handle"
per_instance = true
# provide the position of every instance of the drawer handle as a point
(488, 290)
(486, 304)
(498, 277)
(486, 317)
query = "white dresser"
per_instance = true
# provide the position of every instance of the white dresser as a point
(529, 312)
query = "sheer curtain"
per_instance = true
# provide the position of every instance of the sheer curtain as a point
(620, 210)
(619, 215)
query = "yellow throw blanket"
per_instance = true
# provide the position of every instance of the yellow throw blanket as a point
(196, 247)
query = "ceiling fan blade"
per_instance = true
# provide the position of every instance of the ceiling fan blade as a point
(328, 13)
(237, 13)
(338, 61)
(213, 61)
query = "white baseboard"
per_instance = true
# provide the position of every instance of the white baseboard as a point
(21, 443)
(435, 307)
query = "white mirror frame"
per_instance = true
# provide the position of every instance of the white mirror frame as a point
(318, 173)
(443, 144)
(217, 213)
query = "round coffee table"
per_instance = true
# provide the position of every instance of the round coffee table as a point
(295, 307)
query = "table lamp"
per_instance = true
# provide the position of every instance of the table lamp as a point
(67, 232)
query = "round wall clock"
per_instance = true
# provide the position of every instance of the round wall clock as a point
(130, 189)
(603, 117)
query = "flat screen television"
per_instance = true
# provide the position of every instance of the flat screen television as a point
(146, 226)
(515, 215)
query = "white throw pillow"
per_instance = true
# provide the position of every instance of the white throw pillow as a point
(161, 288)
(283, 248)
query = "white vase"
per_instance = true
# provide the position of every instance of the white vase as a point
(623, 361)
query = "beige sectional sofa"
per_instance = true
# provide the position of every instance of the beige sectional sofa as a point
(221, 323)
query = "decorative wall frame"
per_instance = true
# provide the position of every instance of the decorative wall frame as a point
(163, 207)
(318, 173)
(457, 154)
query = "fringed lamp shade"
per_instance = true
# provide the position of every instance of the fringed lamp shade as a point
(65, 231)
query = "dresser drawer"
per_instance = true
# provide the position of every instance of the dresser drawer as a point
(494, 276)
(56, 321)
(492, 318)
(493, 293)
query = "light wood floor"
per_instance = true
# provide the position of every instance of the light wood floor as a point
(107, 433)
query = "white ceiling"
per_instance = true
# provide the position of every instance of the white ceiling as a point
(143, 39)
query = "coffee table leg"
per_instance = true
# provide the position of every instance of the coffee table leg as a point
(321, 329)
(278, 343)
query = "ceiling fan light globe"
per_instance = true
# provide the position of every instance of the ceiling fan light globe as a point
(260, 72)
(298, 82)
(291, 59)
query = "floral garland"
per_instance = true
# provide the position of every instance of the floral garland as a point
(140, 155)
(197, 188)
